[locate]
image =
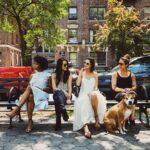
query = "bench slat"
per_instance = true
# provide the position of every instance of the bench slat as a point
(6, 104)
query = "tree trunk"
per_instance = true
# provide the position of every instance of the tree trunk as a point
(138, 47)
(22, 41)
(111, 56)
(122, 45)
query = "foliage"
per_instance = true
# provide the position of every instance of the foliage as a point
(123, 31)
(35, 20)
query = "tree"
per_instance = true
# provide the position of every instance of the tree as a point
(34, 20)
(123, 31)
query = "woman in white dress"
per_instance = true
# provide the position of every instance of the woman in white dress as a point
(90, 106)
(36, 95)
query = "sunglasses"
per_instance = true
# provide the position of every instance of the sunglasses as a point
(121, 64)
(65, 65)
(86, 63)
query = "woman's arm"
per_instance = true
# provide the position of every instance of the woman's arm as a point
(53, 82)
(114, 84)
(134, 85)
(79, 78)
(49, 89)
(69, 82)
(29, 86)
(96, 81)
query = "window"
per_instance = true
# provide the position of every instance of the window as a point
(73, 57)
(39, 49)
(147, 13)
(101, 58)
(62, 54)
(11, 59)
(147, 10)
(17, 60)
(92, 36)
(72, 35)
(72, 13)
(96, 13)
(93, 55)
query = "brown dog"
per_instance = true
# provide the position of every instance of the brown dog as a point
(117, 115)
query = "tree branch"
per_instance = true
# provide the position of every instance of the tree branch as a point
(25, 7)
(6, 8)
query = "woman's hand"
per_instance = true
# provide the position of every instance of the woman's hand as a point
(68, 101)
(128, 89)
(81, 72)
(123, 90)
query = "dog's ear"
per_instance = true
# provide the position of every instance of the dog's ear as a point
(120, 96)
(134, 94)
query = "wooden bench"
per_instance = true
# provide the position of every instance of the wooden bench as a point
(5, 85)
(143, 105)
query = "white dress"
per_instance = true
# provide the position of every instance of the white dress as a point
(39, 81)
(83, 111)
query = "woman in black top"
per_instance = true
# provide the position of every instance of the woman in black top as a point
(124, 80)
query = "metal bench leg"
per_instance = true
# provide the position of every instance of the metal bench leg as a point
(20, 119)
(146, 114)
(10, 123)
(140, 113)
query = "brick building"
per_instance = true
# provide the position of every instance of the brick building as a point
(80, 30)
(82, 16)
(10, 54)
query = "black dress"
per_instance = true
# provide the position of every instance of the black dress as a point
(122, 82)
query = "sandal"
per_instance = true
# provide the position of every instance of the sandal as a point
(30, 126)
(87, 133)
(14, 112)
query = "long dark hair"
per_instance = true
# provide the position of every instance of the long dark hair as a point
(58, 71)
(92, 62)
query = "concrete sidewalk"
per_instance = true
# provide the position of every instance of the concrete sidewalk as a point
(44, 137)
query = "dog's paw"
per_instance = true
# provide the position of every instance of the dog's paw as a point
(124, 129)
(116, 131)
(122, 132)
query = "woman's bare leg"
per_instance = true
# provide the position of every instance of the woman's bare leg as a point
(30, 108)
(22, 101)
(94, 101)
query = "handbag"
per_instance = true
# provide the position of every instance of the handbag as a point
(76, 90)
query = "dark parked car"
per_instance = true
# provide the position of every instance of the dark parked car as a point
(140, 66)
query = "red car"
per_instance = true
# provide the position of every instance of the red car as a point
(15, 72)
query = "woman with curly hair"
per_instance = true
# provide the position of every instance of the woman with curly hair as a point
(62, 87)
(36, 94)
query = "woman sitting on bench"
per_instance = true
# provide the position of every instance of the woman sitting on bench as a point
(36, 94)
(62, 87)
(123, 81)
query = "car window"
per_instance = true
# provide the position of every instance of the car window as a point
(145, 60)
(139, 68)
